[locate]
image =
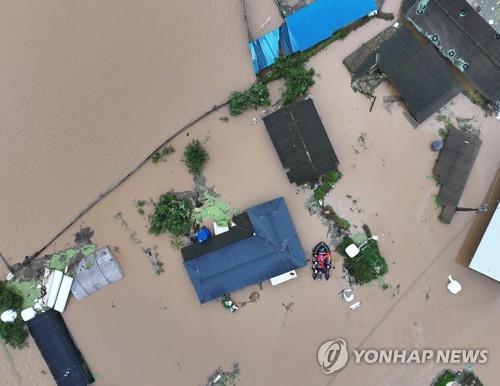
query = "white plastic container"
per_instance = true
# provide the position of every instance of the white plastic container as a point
(28, 314)
(53, 288)
(62, 296)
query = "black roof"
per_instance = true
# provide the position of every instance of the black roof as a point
(418, 72)
(453, 168)
(243, 229)
(465, 38)
(59, 350)
(405, 6)
(363, 59)
(301, 142)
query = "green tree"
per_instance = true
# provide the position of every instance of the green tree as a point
(9, 300)
(195, 157)
(171, 214)
(15, 333)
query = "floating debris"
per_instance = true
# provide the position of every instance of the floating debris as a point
(84, 236)
(225, 378)
(150, 252)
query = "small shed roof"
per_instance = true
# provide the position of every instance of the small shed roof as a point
(464, 38)
(453, 167)
(273, 250)
(486, 260)
(300, 139)
(57, 347)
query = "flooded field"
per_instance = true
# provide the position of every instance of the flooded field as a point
(149, 329)
(88, 90)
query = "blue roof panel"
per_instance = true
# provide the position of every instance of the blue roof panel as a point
(307, 27)
(274, 249)
(319, 20)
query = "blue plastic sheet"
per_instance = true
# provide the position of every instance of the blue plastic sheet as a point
(320, 19)
(307, 27)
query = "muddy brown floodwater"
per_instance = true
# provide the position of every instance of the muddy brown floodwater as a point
(89, 89)
(150, 330)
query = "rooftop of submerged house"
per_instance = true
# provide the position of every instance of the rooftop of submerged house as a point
(462, 36)
(306, 24)
(273, 249)
(453, 168)
(302, 144)
(408, 62)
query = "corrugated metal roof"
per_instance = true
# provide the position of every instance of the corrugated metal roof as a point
(486, 260)
(307, 27)
(53, 339)
(319, 20)
(301, 142)
(272, 251)
(464, 38)
(266, 49)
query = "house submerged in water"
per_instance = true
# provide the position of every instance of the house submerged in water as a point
(261, 245)
(307, 27)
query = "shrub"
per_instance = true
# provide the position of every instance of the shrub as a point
(9, 300)
(162, 154)
(330, 214)
(465, 378)
(15, 333)
(215, 209)
(256, 95)
(342, 223)
(195, 157)
(298, 79)
(238, 103)
(324, 188)
(368, 265)
(444, 378)
(367, 231)
(171, 214)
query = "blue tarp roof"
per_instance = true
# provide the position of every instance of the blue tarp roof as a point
(273, 249)
(307, 27)
(265, 49)
(319, 20)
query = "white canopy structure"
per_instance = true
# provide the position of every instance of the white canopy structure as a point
(486, 260)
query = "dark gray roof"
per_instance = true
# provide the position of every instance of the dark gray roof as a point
(405, 6)
(363, 59)
(57, 347)
(453, 168)
(465, 38)
(419, 73)
(243, 229)
(301, 142)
